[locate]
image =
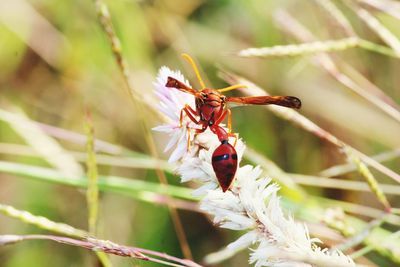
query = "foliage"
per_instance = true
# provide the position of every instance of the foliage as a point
(60, 59)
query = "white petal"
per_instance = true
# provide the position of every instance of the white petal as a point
(167, 128)
(172, 141)
(252, 203)
(204, 189)
(178, 153)
(244, 241)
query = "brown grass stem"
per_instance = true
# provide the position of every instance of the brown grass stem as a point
(357, 239)
(349, 167)
(68, 230)
(272, 169)
(357, 209)
(105, 21)
(92, 192)
(78, 138)
(372, 94)
(42, 222)
(390, 7)
(375, 25)
(338, 16)
(50, 150)
(306, 124)
(323, 182)
(105, 246)
(137, 161)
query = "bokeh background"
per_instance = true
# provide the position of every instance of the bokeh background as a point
(56, 63)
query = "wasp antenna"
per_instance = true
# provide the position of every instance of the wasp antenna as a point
(233, 87)
(196, 70)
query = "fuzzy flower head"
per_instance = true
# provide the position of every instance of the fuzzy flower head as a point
(252, 203)
(195, 162)
(171, 103)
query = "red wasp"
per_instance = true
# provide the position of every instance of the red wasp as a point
(211, 110)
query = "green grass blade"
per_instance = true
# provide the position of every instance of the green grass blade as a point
(42, 222)
(92, 192)
(133, 188)
(47, 147)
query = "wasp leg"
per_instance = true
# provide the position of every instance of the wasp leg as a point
(229, 120)
(227, 112)
(190, 113)
(234, 136)
(199, 131)
(188, 139)
(221, 117)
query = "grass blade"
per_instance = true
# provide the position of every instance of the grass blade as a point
(346, 168)
(41, 222)
(137, 160)
(133, 188)
(318, 181)
(92, 192)
(139, 104)
(44, 145)
(375, 25)
(372, 94)
(308, 125)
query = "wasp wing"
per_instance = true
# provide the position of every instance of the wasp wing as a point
(174, 83)
(285, 101)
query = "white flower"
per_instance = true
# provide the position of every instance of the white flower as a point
(171, 103)
(251, 204)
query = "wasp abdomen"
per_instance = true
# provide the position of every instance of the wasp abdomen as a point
(224, 162)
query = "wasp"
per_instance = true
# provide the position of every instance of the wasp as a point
(211, 109)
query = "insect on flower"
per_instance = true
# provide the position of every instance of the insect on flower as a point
(211, 110)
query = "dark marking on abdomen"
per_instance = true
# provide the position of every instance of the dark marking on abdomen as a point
(220, 157)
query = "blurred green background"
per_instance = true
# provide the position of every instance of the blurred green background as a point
(56, 62)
